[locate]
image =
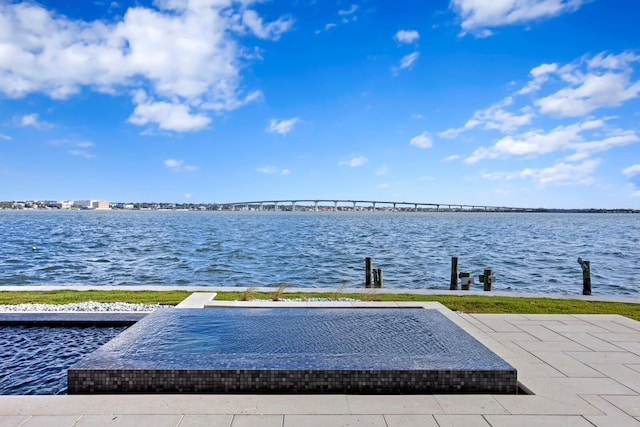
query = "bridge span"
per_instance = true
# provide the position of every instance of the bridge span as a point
(361, 205)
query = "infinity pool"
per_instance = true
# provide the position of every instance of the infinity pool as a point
(283, 350)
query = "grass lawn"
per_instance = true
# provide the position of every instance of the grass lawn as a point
(465, 303)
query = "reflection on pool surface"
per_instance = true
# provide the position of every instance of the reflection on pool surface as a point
(34, 360)
(293, 349)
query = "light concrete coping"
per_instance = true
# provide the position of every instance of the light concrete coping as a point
(197, 300)
(323, 304)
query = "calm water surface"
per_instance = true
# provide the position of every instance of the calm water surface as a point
(528, 252)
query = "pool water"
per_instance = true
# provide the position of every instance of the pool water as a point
(34, 360)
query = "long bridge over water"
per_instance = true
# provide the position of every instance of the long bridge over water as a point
(362, 205)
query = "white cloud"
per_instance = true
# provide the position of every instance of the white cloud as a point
(606, 81)
(77, 148)
(452, 133)
(350, 11)
(184, 54)
(29, 120)
(270, 170)
(558, 174)
(272, 30)
(417, 116)
(536, 142)
(187, 195)
(327, 27)
(540, 75)
(422, 141)
(543, 69)
(282, 127)
(478, 16)
(5, 137)
(613, 138)
(168, 116)
(383, 186)
(355, 162)
(408, 60)
(179, 166)
(267, 170)
(451, 158)
(407, 36)
(609, 61)
(592, 82)
(348, 15)
(382, 170)
(494, 117)
(571, 137)
(632, 170)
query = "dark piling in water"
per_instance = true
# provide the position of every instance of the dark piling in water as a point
(586, 276)
(454, 274)
(487, 279)
(377, 277)
(367, 272)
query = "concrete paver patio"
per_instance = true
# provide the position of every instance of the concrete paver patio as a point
(583, 370)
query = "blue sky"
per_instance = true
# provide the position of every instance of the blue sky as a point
(496, 102)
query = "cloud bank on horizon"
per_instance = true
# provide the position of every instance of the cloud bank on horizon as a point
(501, 102)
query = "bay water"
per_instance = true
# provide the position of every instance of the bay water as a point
(528, 252)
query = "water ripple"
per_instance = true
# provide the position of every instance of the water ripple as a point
(35, 360)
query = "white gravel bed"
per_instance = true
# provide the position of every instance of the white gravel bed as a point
(94, 307)
(89, 306)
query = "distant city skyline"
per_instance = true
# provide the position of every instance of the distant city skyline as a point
(523, 104)
(306, 205)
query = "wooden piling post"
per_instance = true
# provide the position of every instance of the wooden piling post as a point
(586, 279)
(454, 274)
(377, 274)
(586, 276)
(487, 279)
(367, 272)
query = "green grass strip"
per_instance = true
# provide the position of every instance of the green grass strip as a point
(464, 303)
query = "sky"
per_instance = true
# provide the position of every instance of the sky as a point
(520, 103)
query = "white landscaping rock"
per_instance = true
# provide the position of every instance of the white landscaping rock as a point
(89, 306)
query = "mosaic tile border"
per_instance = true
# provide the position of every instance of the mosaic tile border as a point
(84, 381)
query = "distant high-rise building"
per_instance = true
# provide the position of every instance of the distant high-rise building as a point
(92, 204)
